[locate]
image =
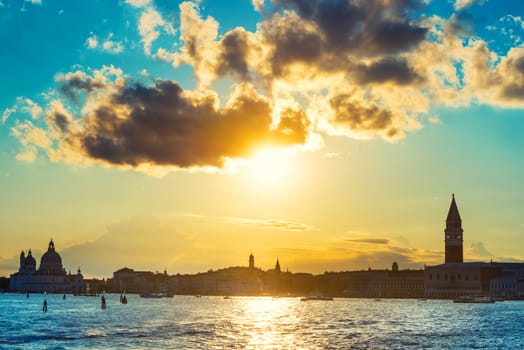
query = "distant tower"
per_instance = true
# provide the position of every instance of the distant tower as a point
(453, 234)
(394, 266)
(277, 266)
(22, 260)
(251, 261)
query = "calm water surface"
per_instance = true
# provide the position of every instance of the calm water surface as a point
(186, 322)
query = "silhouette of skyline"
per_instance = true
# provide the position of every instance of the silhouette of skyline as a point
(181, 135)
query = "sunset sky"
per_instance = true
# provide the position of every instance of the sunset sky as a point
(184, 135)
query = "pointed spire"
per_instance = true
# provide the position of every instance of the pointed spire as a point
(453, 214)
(51, 245)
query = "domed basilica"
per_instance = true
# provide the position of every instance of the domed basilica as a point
(51, 277)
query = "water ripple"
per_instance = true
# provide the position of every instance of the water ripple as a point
(256, 323)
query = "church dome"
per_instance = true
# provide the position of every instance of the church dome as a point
(51, 261)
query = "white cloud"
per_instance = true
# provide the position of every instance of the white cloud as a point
(6, 113)
(258, 4)
(112, 46)
(34, 2)
(148, 23)
(463, 4)
(138, 3)
(32, 108)
(108, 45)
(27, 155)
(25, 105)
(92, 42)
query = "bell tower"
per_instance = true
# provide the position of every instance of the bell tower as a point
(453, 234)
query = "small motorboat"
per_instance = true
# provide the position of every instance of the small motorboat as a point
(468, 299)
(316, 297)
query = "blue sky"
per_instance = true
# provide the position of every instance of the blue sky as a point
(282, 127)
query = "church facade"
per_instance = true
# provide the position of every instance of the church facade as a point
(457, 278)
(50, 277)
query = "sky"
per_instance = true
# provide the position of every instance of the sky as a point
(330, 134)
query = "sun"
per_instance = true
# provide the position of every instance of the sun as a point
(271, 168)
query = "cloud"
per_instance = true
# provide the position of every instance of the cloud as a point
(138, 3)
(92, 42)
(345, 258)
(28, 134)
(148, 24)
(478, 250)
(258, 4)
(112, 46)
(34, 2)
(271, 224)
(361, 69)
(199, 47)
(369, 240)
(388, 69)
(7, 113)
(132, 125)
(108, 45)
(24, 105)
(464, 4)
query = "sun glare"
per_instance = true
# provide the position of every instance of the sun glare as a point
(271, 168)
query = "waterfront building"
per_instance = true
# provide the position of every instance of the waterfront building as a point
(131, 281)
(457, 278)
(394, 283)
(50, 277)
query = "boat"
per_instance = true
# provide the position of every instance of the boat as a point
(316, 297)
(86, 295)
(156, 295)
(468, 299)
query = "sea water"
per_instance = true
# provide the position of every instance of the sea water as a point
(187, 322)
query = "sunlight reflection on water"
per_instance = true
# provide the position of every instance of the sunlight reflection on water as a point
(186, 322)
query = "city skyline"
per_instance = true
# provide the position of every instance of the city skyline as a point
(330, 134)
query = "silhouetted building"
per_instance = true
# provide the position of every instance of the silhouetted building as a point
(131, 281)
(453, 234)
(456, 278)
(251, 261)
(228, 281)
(51, 277)
(385, 283)
(277, 266)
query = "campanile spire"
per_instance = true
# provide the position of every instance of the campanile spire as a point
(453, 234)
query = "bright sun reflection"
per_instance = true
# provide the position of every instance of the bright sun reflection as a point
(268, 321)
(271, 168)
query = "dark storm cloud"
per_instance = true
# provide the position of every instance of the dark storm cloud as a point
(292, 41)
(75, 83)
(234, 51)
(59, 121)
(513, 78)
(163, 125)
(359, 117)
(390, 69)
(372, 27)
